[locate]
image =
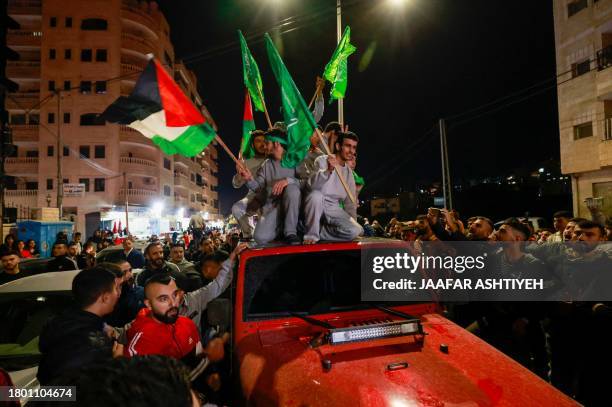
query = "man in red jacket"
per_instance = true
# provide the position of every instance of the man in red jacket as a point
(160, 330)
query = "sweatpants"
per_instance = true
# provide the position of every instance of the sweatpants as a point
(326, 220)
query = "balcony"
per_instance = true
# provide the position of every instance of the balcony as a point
(24, 38)
(607, 126)
(25, 7)
(21, 197)
(139, 166)
(131, 69)
(136, 43)
(181, 180)
(23, 69)
(604, 58)
(129, 135)
(135, 14)
(21, 165)
(22, 100)
(138, 196)
(25, 133)
(184, 161)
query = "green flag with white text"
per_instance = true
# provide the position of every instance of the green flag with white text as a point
(336, 70)
(297, 117)
(252, 78)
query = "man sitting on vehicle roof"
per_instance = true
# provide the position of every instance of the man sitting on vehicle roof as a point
(325, 219)
(282, 189)
(244, 209)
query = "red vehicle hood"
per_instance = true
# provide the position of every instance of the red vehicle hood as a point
(277, 367)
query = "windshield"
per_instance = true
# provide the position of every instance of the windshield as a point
(305, 283)
(21, 322)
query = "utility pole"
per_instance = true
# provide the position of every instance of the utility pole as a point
(447, 188)
(60, 153)
(339, 36)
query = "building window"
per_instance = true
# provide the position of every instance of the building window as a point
(33, 118)
(32, 186)
(85, 87)
(32, 153)
(101, 55)
(49, 184)
(98, 184)
(51, 86)
(100, 87)
(583, 130)
(50, 118)
(99, 152)
(167, 164)
(68, 53)
(52, 53)
(53, 21)
(68, 22)
(66, 118)
(49, 151)
(67, 85)
(576, 6)
(83, 151)
(18, 118)
(91, 119)
(66, 151)
(65, 181)
(86, 182)
(167, 190)
(86, 55)
(94, 24)
(580, 68)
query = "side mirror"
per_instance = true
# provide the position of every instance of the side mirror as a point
(219, 313)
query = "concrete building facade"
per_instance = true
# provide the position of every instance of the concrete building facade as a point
(583, 36)
(76, 58)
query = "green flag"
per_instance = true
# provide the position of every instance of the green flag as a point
(336, 70)
(252, 78)
(299, 120)
(248, 125)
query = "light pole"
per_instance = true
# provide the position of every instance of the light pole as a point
(339, 36)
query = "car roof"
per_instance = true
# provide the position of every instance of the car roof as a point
(55, 281)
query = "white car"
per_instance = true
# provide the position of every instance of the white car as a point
(25, 306)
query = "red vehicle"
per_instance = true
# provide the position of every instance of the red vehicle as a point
(302, 337)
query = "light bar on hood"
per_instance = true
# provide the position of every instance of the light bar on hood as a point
(375, 331)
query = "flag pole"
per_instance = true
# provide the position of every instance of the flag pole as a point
(318, 90)
(265, 108)
(342, 180)
(228, 151)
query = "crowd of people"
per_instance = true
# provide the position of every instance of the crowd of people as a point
(151, 320)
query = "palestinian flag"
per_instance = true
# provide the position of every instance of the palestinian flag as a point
(159, 110)
(248, 125)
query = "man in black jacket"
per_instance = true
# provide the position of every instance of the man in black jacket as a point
(77, 337)
(61, 262)
(154, 254)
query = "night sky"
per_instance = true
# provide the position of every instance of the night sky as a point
(430, 59)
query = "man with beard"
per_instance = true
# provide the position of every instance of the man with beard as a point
(61, 262)
(154, 253)
(160, 330)
(10, 267)
(245, 208)
(423, 229)
(281, 188)
(207, 247)
(325, 218)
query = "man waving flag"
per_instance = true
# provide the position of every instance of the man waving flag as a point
(159, 110)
